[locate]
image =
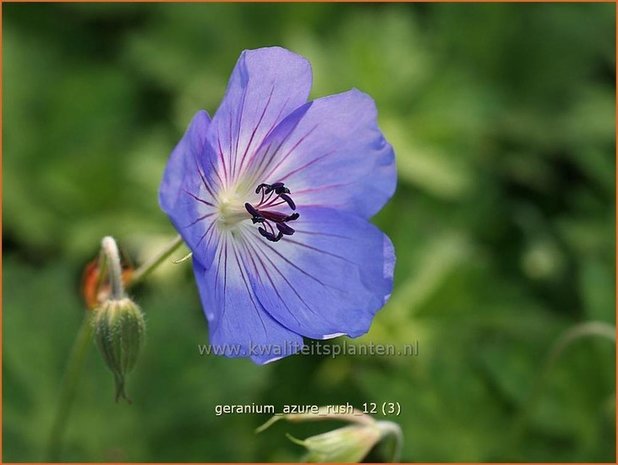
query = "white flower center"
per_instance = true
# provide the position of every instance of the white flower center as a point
(231, 209)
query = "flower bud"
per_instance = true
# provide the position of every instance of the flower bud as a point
(119, 330)
(348, 444)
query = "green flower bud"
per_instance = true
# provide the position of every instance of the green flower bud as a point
(348, 444)
(119, 330)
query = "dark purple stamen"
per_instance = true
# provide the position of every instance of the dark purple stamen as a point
(260, 187)
(285, 229)
(273, 223)
(288, 200)
(280, 188)
(252, 211)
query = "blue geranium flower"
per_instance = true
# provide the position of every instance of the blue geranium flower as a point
(273, 196)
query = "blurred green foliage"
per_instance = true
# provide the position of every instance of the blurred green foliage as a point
(502, 118)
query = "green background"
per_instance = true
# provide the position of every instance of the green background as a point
(502, 118)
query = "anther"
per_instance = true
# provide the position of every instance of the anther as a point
(288, 200)
(272, 223)
(252, 211)
(270, 236)
(285, 229)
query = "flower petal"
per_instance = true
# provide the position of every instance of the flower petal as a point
(187, 189)
(266, 85)
(332, 154)
(328, 279)
(238, 325)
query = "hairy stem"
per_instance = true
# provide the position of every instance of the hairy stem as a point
(70, 382)
(110, 249)
(143, 271)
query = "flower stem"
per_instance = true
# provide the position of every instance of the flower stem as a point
(69, 388)
(389, 428)
(110, 249)
(148, 267)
